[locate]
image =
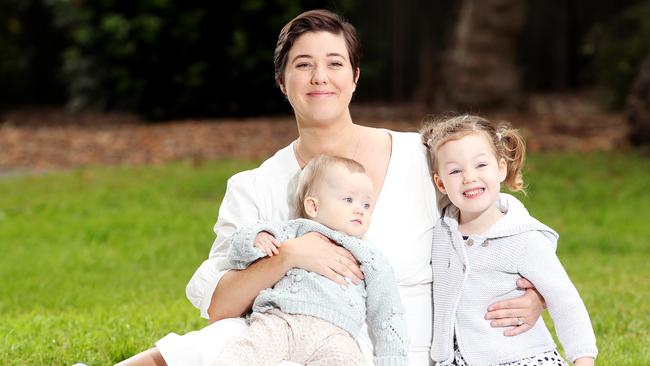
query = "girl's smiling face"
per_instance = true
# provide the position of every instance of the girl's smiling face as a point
(469, 172)
(318, 78)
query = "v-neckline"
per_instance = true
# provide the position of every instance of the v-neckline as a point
(381, 194)
(386, 173)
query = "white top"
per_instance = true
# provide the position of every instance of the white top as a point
(470, 275)
(401, 226)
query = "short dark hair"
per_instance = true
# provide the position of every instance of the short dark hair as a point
(314, 21)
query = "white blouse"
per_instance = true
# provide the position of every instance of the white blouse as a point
(401, 226)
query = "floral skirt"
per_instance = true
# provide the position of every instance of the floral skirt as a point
(549, 358)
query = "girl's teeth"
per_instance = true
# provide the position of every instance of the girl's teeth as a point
(473, 192)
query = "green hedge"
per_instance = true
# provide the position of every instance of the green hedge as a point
(618, 47)
(164, 58)
(30, 50)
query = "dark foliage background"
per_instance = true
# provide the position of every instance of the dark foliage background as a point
(169, 59)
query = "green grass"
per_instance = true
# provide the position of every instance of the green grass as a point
(94, 262)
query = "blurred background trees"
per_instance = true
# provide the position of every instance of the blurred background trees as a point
(168, 59)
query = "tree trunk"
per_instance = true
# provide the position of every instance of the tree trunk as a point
(479, 69)
(638, 106)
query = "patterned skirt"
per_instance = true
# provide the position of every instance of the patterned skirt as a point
(549, 358)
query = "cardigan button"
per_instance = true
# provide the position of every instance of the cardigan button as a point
(485, 243)
(469, 242)
(464, 268)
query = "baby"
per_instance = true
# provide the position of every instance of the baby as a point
(305, 317)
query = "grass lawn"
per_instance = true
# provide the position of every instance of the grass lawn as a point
(94, 262)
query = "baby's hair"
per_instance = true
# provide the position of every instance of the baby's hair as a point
(314, 172)
(506, 142)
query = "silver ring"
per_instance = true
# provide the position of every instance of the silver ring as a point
(519, 321)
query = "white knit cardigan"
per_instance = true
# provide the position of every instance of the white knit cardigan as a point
(469, 275)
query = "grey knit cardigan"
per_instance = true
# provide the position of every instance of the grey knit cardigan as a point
(308, 293)
(469, 275)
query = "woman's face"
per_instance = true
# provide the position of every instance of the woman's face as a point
(318, 79)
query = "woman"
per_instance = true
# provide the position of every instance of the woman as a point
(317, 69)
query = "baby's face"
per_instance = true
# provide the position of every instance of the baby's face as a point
(345, 201)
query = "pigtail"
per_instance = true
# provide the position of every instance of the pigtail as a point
(513, 149)
(428, 140)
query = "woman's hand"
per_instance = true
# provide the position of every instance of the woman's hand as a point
(521, 312)
(316, 253)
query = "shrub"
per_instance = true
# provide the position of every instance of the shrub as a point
(29, 54)
(618, 47)
(164, 58)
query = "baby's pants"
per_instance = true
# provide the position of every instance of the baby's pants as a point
(275, 336)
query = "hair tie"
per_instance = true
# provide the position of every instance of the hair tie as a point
(429, 141)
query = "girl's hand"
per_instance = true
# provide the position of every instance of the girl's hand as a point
(316, 253)
(584, 361)
(521, 313)
(267, 243)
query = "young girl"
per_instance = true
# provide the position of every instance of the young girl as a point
(305, 317)
(483, 242)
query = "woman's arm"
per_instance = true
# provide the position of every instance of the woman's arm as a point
(527, 308)
(237, 290)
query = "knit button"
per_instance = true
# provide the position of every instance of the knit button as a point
(485, 243)
(298, 278)
(350, 302)
(469, 242)
(384, 325)
(464, 268)
(294, 290)
(393, 310)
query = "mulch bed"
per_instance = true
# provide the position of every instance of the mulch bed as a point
(36, 139)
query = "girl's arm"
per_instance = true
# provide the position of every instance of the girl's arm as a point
(572, 324)
(584, 361)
